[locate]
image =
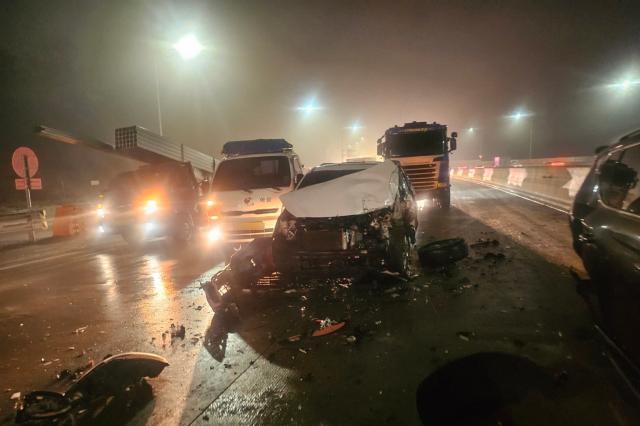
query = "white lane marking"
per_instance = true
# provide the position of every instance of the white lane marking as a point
(31, 262)
(561, 210)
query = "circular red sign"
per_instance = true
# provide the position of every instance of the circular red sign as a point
(17, 161)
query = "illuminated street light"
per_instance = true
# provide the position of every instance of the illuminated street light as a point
(624, 85)
(519, 115)
(310, 106)
(355, 127)
(188, 47)
(471, 129)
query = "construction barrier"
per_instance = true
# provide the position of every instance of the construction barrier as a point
(554, 181)
(69, 220)
(24, 221)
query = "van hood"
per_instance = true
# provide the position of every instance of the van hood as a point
(357, 193)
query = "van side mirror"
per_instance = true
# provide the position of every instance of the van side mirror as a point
(454, 135)
(453, 144)
(298, 178)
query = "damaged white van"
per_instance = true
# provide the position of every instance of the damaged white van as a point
(344, 219)
(247, 186)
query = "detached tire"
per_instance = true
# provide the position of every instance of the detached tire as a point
(443, 252)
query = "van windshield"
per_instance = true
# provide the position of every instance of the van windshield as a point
(252, 173)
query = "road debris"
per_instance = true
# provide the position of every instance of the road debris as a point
(108, 389)
(465, 335)
(15, 395)
(484, 242)
(80, 330)
(351, 339)
(327, 326)
(178, 332)
(295, 338)
(494, 256)
(443, 252)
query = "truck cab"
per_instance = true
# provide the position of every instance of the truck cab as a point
(246, 188)
(422, 149)
(156, 200)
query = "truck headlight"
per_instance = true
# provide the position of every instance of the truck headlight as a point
(100, 211)
(150, 207)
(214, 234)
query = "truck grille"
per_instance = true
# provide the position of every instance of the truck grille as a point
(423, 177)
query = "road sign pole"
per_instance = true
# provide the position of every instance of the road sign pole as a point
(27, 191)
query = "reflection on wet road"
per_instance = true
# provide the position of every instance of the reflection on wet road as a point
(367, 373)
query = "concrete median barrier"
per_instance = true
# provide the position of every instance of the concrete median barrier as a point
(553, 181)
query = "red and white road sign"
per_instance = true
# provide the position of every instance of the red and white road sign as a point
(36, 183)
(21, 184)
(17, 161)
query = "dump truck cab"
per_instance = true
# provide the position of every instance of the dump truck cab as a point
(158, 200)
(246, 188)
(422, 149)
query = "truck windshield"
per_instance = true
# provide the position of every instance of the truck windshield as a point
(414, 144)
(252, 173)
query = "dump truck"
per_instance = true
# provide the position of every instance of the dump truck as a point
(422, 149)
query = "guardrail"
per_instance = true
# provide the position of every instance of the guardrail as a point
(554, 181)
(28, 221)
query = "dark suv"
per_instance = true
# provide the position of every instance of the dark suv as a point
(605, 223)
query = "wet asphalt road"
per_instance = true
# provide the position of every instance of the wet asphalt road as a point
(525, 304)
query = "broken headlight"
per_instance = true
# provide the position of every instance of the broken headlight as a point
(381, 223)
(286, 226)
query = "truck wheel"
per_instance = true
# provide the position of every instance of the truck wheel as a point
(400, 254)
(443, 199)
(184, 226)
(443, 252)
(133, 237)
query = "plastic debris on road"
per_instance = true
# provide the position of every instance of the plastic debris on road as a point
(327, 326)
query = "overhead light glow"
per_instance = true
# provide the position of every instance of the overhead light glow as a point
(519, 114)
(471, 129)
(355, 127)
(309, 107)
(624, 85)
(188, 47)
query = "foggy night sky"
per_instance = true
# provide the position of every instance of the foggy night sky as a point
(87, 67)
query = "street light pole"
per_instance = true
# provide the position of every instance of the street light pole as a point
(155, 69)
(188, 47)
(531, 139)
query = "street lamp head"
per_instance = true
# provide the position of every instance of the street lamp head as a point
(355, 127)
(518, 115)
(309, 107)
(188, 47)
